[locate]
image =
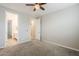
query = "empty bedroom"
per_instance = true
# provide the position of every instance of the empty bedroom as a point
(39, 29)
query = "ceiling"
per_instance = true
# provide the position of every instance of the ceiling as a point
(49, 7)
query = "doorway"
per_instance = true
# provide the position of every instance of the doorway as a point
(35, 29)
(11, 29)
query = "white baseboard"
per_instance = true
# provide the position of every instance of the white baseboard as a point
(48, 41)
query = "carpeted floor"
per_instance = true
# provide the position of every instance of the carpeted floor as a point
(11, 42)
(37, 48)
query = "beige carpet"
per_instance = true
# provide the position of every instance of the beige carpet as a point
(35, 48)
(11, 42)
(29, 48)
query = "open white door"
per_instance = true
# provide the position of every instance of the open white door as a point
(37, 22)
(35, 29)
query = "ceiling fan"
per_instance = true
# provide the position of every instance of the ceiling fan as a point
(37, 6)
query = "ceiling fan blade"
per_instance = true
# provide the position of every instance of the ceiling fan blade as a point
(36, 3)
(42, 8)
(34, 9)
(42, 3)
(29, 4)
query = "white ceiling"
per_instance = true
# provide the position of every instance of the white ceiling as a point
(49, 7)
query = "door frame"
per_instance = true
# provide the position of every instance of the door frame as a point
(6, 25)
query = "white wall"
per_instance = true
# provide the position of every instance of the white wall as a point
(62, 27)
(2, 27)
(23, 28)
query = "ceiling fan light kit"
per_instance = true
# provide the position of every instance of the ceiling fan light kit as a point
(36, 6)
